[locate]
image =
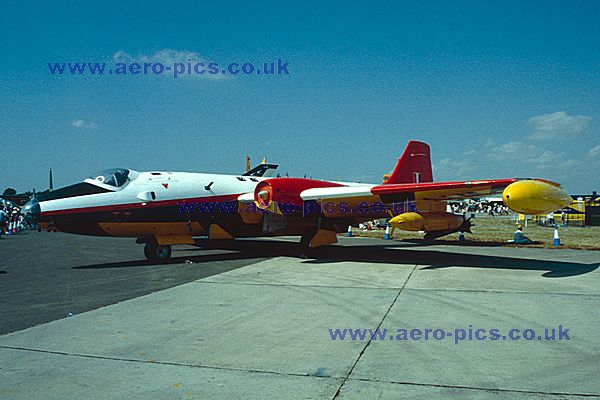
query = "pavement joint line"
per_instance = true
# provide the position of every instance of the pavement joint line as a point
(337, 393)
(501, 291)
(295, 285)
(522, 391)
(168, 363)
(202, 280)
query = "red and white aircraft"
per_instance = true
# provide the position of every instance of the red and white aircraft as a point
(162, 209)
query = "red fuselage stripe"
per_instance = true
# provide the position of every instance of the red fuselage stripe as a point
(134, 206)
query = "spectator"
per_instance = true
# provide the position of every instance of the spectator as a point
(3, 219)
(551, 220)
(520, 237)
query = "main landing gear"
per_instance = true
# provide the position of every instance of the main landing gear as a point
(156, 252)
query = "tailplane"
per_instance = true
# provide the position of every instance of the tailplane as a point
(414, 166)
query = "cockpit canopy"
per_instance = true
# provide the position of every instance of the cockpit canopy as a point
(115, 177)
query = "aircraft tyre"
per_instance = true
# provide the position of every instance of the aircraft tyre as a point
(156, 252)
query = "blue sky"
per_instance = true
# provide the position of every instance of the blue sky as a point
(502, 89)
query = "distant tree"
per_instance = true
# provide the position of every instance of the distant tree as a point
(10, 192)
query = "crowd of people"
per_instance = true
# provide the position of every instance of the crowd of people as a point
(471, 207)
(375, 224)
(11, 219)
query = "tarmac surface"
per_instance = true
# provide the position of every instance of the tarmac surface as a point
(251, 319)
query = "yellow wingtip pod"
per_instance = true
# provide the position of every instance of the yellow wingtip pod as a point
(535, 196)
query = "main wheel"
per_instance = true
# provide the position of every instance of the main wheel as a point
(156, 252)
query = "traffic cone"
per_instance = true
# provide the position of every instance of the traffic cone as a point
(386, 235)
(349, 234)
(556, 237)
(461, 236)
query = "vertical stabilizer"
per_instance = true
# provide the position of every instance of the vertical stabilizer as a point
(414, 166)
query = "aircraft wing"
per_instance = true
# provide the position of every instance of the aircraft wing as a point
(527, 196)
(441, 191)
(412, 181)
(434, 191)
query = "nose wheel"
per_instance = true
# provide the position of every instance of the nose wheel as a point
(156, 252)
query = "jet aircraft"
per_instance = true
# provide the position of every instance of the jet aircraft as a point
(162, 209)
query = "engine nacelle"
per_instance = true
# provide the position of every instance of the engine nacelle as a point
(427, 221)
(285, 191)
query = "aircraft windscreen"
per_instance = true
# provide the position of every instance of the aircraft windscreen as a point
(116, 177)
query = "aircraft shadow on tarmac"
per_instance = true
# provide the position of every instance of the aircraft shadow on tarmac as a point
(398, 252)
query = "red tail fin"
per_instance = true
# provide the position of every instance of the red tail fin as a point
(414, 166)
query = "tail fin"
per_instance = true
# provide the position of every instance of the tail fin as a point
(414, 166)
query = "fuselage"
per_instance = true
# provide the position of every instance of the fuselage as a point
(104, 206)
(159, 204)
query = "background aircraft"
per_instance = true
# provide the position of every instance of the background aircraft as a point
(162, 209)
